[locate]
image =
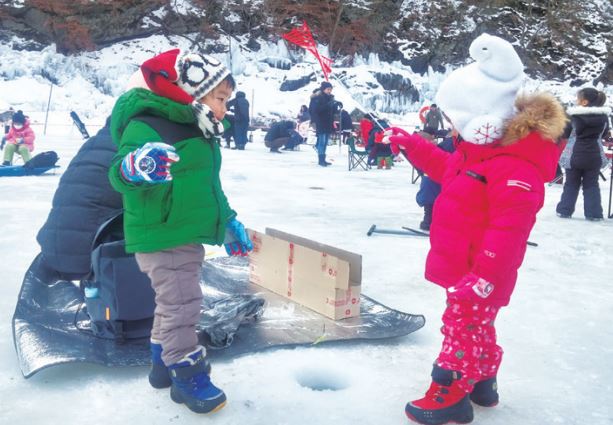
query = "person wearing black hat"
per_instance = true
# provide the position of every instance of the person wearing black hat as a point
(20, 139)
(322, 109)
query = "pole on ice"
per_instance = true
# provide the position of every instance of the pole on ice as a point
(373, 229)
(47, 113)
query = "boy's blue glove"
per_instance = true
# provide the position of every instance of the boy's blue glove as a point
(237, 240)
(150, 163)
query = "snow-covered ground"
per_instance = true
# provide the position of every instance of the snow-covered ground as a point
(556, 333)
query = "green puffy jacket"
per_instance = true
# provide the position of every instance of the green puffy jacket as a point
(191, 208)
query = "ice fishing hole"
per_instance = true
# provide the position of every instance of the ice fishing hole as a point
(322, 379)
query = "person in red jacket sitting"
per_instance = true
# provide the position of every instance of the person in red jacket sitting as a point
(20, 139)
(492, 186)
(366, 125)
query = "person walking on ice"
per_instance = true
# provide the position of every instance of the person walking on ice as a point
(491, 189)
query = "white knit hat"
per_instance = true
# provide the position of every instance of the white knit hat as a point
(479, 98)
(183, 76)
(199, 74)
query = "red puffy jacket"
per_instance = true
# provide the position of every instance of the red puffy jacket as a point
(490, 196)
(25, 133)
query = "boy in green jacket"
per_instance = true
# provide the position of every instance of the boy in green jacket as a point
(167, 170)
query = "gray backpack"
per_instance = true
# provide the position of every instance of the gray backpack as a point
(118, 296)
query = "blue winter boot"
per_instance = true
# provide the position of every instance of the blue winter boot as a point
(192, 385)
(159, 376)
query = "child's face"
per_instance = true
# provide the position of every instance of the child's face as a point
(216, 99)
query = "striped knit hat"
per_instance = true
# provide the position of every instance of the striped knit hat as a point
(183, 76)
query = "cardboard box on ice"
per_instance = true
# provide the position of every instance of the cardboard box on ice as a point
(323, 278)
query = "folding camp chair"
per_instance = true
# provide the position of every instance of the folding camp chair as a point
(356, 158)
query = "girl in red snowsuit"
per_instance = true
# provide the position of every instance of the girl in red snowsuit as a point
(491, 190)
(480, 225)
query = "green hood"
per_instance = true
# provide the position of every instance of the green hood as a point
(144, 102)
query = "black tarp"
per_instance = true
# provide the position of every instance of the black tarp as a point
(51, 328)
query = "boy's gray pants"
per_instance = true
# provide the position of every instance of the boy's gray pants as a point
(175, 278)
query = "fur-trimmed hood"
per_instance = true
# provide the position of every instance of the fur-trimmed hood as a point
(589, 110)
(531, 134)
(537, 112)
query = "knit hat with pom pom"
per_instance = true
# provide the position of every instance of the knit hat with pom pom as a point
(183, 76)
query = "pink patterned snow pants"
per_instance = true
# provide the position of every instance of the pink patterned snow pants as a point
(469, 346)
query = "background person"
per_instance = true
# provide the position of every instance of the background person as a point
(83, 200)
(282, 134)
(429, 189)
(346, 126)
(434, 121)
(303, 114)
(240, 107)
(20, 139)
(583, 156)
(322, 109)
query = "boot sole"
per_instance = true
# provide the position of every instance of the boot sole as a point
(433, 417)
(414, 419)
(179, 400)
(494, 404)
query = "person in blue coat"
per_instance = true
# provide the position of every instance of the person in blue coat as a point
(282, 133)
(240, 106)
(428, 189)
(83, 200)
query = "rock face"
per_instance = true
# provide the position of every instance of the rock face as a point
(398, 84)
(77, 26)
(563, 40)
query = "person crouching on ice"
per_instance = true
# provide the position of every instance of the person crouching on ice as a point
(167, 170)
(491, 189)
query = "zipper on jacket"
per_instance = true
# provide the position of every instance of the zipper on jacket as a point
(216, 172)
(477, 176)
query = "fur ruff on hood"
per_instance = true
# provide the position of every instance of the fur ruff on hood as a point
(589, 110)
(537, 112)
